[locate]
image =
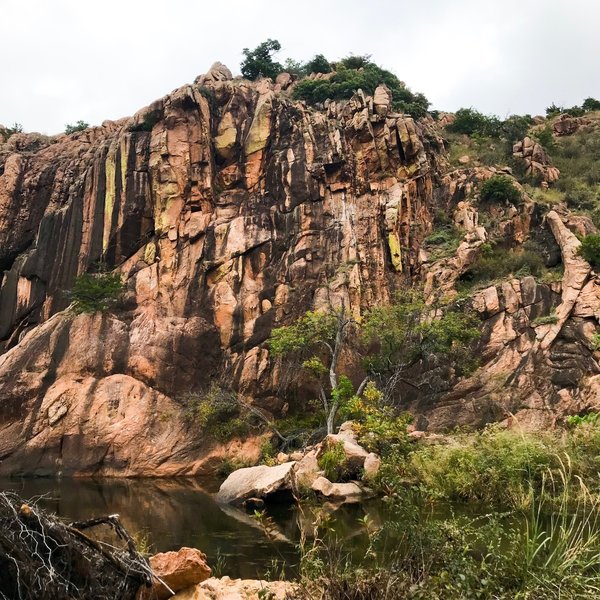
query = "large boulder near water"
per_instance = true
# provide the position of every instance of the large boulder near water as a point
(256, 482)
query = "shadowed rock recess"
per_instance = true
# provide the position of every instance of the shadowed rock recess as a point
(229, 209)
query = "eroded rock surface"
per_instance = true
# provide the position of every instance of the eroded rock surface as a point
(229, 210)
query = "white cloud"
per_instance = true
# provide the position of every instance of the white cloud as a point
(67, 59)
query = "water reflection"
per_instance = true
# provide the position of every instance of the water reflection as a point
(182, 512)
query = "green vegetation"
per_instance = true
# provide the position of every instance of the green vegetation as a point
(79, 126)
(389, 339)
(333, 462)
(93, 292)
(358, 72)
(545, 320)
(588, 105)
(471, 122)
(218, 412)
(550, 550)
(500, 189)
(350, 74)
(259, 62)
(7, 132)
(495, 263)
(590, 249)
(443, 242)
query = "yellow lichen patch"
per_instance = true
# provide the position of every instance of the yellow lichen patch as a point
(109, 198)
(226, 136)
(395, 251)
(218, 274)
(150, 253)
(260, 128)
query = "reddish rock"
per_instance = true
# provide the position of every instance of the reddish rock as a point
(178, 570)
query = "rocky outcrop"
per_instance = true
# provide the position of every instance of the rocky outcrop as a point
(536, 160)
(229, 209)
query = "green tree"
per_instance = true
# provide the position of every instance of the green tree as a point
(390, 339)
(590, 104)
(259, 62)
(318, 64)
(94, 292)
(469, 121)
(79, 126)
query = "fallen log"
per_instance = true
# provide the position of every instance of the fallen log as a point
(43, 557)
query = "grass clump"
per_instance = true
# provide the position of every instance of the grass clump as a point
(96, 292)
(79, 126)
(496, 263)
(333, 462)
(550, 319)
(494, 466)
(443, 242)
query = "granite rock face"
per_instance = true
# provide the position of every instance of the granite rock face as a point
(230, 209)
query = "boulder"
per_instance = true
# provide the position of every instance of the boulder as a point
(225, 588)
(340, 492)
(307, 469)
(256, 482)
(179, 570)
(371, 465)
(217, 72)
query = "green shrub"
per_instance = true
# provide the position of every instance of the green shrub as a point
(591, 418)
(590, 104)
(497, 263)
(7, 132)
(333, 462)
(443, 242)
(545, 137)
(79, 126)
(318, 64)
(494, 466)
(545, 320)
(259, 62)
(469, 121)
(94, 292)
(216, 412)
(500, 189)
(590, 249)
(347, 79)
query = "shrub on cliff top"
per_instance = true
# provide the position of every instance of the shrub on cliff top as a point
(94, 292)
(358, 72)
(79, 126)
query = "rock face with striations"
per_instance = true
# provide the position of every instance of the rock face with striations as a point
(230, 209)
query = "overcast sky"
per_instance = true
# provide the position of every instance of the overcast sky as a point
(64, 60)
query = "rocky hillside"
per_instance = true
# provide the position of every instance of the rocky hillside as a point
(230, 209)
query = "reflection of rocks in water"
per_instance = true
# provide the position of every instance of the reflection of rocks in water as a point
(171, 513)
(266, 524)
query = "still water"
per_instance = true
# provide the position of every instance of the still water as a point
(182, 512)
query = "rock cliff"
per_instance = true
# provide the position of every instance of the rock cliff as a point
(230, 209)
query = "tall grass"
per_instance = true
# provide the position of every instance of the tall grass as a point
(551, 551)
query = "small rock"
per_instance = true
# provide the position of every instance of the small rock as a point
(340, 492)
(372, 465)
(463, 160)
(179, 570)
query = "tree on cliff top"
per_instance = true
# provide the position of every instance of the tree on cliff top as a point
(390, 340)
(259, 62)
